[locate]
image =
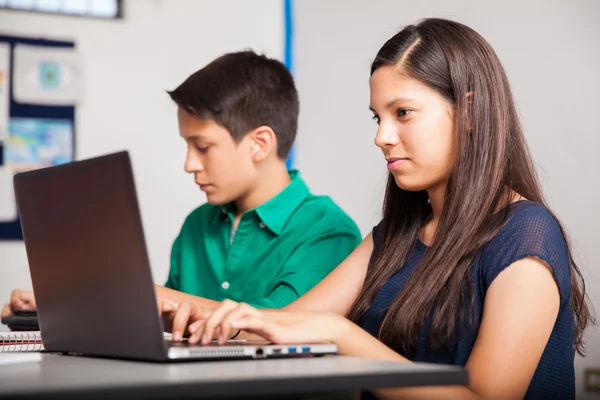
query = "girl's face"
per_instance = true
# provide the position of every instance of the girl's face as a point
(415, 130)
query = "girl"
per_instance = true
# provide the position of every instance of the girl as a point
(468, 265)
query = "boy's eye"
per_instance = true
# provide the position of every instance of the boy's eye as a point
(403, 112)
(376, 119)
(202, 149)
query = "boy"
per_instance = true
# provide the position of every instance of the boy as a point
(262, 237)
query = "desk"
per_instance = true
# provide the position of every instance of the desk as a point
(68, 377)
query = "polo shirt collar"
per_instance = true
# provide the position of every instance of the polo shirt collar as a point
(275, 212)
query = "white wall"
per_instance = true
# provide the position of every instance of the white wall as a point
(128, 64)
(551, 53)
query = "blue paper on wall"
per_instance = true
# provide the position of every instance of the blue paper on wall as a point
(34, 143)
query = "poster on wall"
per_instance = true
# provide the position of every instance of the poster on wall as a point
(47, 75)
(36, 143)
(42, 84)
(31, 143)
(4, 89)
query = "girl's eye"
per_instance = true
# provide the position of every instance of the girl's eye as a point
(403, 112)
(375, 118)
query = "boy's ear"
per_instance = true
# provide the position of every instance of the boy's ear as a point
(264, 142)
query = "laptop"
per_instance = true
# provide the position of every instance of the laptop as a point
(91, 273)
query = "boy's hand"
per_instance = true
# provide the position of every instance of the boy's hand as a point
(166, 310)
(19, 300)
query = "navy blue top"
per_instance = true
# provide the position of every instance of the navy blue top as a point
(529, 231)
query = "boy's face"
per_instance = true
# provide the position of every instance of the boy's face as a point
(222, 168)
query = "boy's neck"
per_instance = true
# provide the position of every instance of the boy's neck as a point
(272, 182)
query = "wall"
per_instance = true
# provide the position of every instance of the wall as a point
(551, 53)
(128, 66)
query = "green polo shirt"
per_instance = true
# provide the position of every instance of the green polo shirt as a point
(279, 251)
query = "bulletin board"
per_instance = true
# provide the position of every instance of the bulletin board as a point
(39, 87)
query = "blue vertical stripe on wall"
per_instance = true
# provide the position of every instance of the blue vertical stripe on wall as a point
(288, 52)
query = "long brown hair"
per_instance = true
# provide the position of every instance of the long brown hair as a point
(491, 161)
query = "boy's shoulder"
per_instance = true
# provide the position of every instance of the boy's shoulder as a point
(321, 210)
(322, 204)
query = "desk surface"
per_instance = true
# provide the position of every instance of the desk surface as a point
(78, 377)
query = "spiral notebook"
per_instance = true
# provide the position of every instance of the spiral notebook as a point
(29, 341)
(20, 341)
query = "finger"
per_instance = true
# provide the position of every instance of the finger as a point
(181, 319)
(259, 326)
(197, 336)
(218, 331)
(196, 329)
(15, 300)
(196, 325)
(6, 311)
(27, 306)
(167, 306)
(28, 298)
(225, 326)
(215, 319)
(241, 311)
(166, 310)
(167, 320)
(159, 304)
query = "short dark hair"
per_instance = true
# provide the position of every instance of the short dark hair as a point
(242, 91)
